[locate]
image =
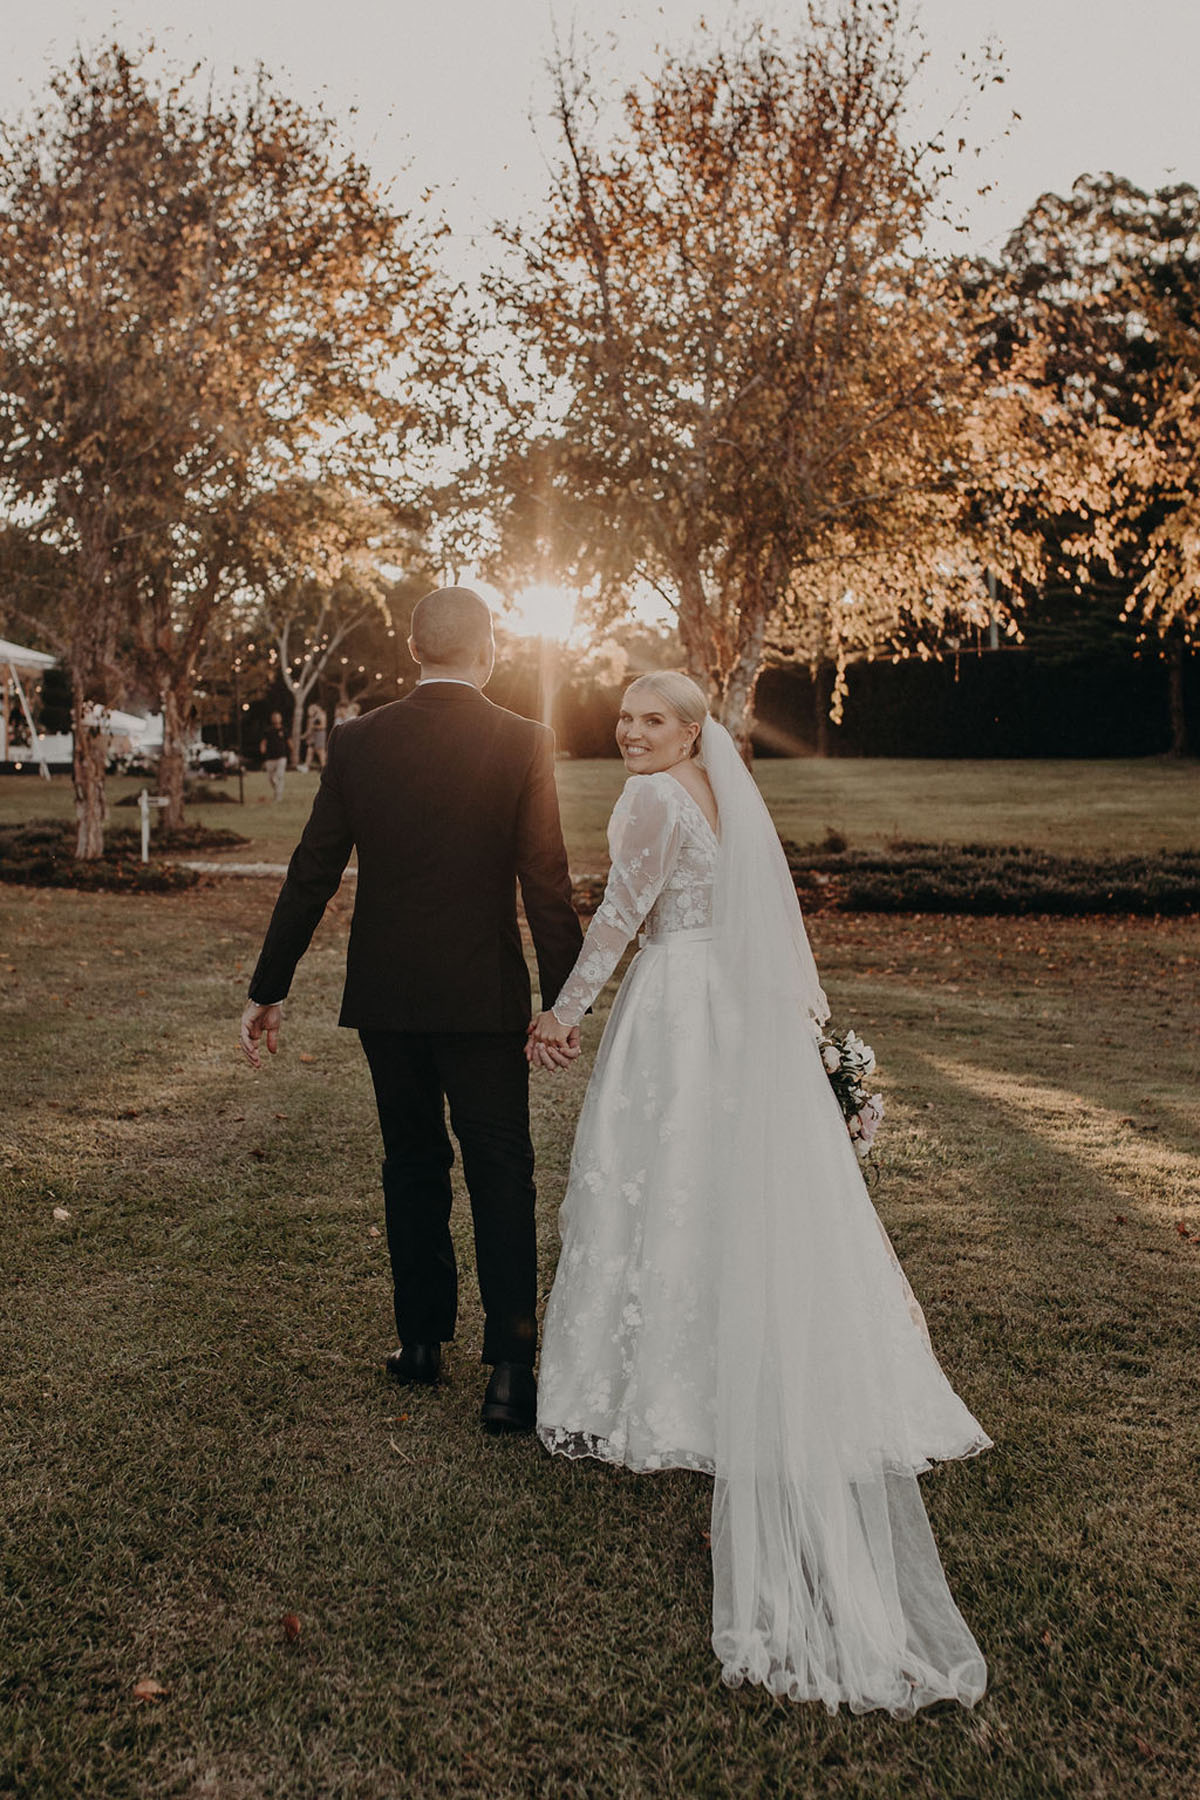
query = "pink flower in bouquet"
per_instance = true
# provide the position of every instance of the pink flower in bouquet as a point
(871, 1116)
(863, 1125)
(831, 1056)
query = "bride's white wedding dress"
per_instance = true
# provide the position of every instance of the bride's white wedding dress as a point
(726, 1298)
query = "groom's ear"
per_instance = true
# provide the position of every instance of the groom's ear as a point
(412, 651)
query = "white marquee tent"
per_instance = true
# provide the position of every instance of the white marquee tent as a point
(19, 666)
(15, 662)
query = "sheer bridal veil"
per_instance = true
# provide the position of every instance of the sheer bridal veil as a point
(827, 1583)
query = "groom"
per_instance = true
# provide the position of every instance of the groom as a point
(449, 801)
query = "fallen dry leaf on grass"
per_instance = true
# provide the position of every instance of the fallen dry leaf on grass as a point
(148, 1689)
(291, 1626)
(62, 1213)
(372, 1231)
(306, 1058)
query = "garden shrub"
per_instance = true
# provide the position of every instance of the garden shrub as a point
(990, 878)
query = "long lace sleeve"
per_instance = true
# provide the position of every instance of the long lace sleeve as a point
(643, 840)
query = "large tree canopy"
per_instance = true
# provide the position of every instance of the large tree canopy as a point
(197, 299)
(1102, 287)
(762, 393)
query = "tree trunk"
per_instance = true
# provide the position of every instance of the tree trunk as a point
(737, 700)
(1176, 710)
(172, 764)
(700, 656)
(822, 695)
(299, 700)
(88, 761)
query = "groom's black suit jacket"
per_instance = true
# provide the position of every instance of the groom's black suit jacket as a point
(449, 801)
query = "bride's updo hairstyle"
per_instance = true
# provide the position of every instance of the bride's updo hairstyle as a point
(680, 693)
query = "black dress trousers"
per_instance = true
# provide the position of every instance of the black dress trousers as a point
(485, 1078)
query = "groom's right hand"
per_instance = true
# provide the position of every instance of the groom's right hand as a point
(552, 1056)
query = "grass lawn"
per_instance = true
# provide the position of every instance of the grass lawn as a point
(196, 1438)
(1132, 806)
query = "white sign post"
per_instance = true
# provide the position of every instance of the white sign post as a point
(145, 801)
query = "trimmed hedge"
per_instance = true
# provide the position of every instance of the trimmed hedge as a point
(989, 878)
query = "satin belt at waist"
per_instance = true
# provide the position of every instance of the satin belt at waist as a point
(690, 934)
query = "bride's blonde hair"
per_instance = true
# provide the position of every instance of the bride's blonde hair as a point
(685, 697)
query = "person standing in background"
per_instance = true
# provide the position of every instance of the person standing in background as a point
(274, 751)
(315, 736)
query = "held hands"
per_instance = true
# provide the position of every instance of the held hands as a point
(258, 1022)
(551, 1044)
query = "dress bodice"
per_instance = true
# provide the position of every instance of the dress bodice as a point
(664, 858)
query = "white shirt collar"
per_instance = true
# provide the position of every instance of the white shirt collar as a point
(452, 680)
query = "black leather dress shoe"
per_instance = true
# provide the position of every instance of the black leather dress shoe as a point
(416, 1363)
(510, 1403)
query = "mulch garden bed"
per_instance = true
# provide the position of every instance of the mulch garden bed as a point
(41, 853)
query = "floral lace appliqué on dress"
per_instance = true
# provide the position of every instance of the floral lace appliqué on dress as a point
(627, 1360)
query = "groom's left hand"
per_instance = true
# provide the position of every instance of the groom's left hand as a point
(259, 1022)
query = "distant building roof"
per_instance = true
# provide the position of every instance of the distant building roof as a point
(18, 657)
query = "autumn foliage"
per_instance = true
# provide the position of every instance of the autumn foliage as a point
(198, 297)
(757, 391)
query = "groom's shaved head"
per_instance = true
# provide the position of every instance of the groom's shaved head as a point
(451, 628)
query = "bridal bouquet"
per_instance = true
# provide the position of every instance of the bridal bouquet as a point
(849, 1064)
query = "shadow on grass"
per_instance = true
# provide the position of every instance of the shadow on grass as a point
(1069, 1336)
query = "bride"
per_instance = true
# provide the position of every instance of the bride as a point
(726, 1298)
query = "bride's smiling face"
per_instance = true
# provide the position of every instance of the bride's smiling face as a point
(650, 736)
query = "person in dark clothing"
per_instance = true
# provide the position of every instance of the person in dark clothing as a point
(274, 751)
(450, 802)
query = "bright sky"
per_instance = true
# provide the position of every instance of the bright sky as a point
(449, 85)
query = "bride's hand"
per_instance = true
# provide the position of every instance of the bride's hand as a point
(547, 1028)
(550, 1044)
